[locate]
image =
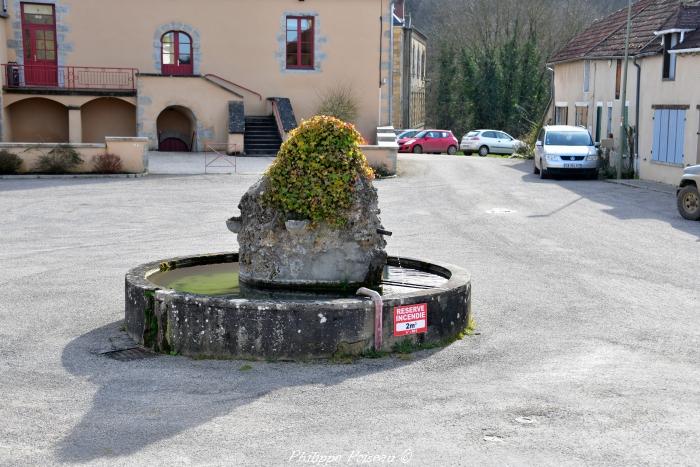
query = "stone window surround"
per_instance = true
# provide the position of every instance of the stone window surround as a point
(176, 26)
(319, 41)
(63, 47)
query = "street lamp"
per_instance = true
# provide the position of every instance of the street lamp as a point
(623, 129)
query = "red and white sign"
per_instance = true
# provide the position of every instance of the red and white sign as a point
(411, 319)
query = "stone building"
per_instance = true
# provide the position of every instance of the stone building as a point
(410, 47)
(186, 74)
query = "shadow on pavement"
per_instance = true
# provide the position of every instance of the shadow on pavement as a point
(145, 401)
(623, 202)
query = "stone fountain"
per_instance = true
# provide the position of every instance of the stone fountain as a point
(289, 292)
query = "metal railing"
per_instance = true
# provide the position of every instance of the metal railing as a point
(68, 77)
(231, 83)
(221, 156)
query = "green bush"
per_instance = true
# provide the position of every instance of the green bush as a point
(107, 164)
(316, 169)
(9, 163)
(60, 160)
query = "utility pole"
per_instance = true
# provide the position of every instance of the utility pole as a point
(623, 129)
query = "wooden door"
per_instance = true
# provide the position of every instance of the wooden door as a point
(39, 35)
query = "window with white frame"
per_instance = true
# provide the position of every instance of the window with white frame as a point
(561, 115)
(669, 67)
(587, 76)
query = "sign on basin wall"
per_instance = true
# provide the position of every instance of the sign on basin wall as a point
(410, 319)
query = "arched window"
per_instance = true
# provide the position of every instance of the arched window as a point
(176, 53)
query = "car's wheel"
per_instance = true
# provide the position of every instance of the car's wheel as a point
(483, 151)
(467, 153)
(535, 170)
(543, 173)
(593, 174)
(417, 149)
(689, 203)
(452, 150)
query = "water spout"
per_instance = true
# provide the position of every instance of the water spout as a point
(378, 310)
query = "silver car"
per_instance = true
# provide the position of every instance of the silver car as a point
(563, 149)
(487, 142)
(687, 194)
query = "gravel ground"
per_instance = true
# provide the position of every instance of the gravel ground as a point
(586, 298)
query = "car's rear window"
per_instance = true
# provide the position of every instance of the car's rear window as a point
(408, 134)
(568, 138)
(472, 133)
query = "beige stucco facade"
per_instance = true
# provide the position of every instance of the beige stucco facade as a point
(238, 55)
(655, 92)
(569, 92)
(684, 92)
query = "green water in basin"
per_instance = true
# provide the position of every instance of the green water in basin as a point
(222, 280)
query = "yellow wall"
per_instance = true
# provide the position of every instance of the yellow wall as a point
(107, 117)
(131, 151)
(207, 102)
(239, 40)
(38, 120)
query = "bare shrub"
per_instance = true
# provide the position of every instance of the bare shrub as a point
(9, 163)
(107, 164)
(60, 160)
(339, 102)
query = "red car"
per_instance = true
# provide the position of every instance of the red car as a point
(430, 141)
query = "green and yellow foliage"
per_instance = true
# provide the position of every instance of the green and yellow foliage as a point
(316, 169)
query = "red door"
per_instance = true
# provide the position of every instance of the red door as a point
(173, 145)
(176, 54)
(39, 34)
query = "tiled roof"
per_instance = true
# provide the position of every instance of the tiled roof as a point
(606, 37)
(686, 17)
(692, 41)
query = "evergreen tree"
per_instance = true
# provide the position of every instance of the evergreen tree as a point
(445, 98)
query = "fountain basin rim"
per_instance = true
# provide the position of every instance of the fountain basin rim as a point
(284, 328)
(138, 276)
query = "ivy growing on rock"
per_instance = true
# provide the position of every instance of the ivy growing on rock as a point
(316, 170)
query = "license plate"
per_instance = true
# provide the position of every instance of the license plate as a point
(573, 166)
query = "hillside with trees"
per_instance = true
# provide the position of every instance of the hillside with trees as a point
(487, 58)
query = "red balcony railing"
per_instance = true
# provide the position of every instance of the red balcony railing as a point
(68, 77)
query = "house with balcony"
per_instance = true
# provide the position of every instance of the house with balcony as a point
(663, 98)
(186, 75)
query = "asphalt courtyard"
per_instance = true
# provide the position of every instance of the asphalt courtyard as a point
(586, 297)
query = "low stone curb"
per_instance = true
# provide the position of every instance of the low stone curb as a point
(651, 186)
(68, 176)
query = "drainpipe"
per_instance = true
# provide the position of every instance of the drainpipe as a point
(636, 111)
(391, 63)
(378, 309)
(381, 59)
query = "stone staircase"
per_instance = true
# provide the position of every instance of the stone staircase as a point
(262, 137)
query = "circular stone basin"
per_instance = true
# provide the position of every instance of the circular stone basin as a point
(196, 306)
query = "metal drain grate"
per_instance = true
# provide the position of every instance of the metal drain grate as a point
(128, 355)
